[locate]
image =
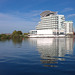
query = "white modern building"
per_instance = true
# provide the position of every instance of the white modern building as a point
(68, 27)
(52, 25)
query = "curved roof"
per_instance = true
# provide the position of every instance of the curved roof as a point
(47, 13)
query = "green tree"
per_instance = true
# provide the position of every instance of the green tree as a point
(19, 32)
(26, 33)
(16, 34)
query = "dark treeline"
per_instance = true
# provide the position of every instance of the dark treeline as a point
(14, 35)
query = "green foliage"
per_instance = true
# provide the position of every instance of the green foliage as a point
(19, 32)
(4, 36)
(0, 35)
(26, 33)
(16, 34)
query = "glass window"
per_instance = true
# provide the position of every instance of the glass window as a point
(33, 32)
(61, 33)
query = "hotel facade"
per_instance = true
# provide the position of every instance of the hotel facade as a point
(52, 25)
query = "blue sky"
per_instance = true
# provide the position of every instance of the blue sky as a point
(24, 14)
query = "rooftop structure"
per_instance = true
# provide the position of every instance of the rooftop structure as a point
(47, 13)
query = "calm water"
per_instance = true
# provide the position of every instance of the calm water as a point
(37, 56)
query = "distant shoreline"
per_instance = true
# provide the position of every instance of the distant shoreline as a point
(14, 35)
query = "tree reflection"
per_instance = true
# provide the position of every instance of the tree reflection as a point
(4, 40)
(17, 41)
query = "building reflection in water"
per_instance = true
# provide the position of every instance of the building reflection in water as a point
(53, 50)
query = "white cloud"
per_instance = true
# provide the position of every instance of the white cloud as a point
(71, 15)
(7, 17)
(28, 15)
(19, 21)
(67, 9)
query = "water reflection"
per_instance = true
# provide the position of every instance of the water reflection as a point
(17, 41)
(53, 50)
(4, 40)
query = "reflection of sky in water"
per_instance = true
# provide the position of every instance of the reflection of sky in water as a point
(53, 50)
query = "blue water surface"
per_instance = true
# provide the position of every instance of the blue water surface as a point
(37, 56)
